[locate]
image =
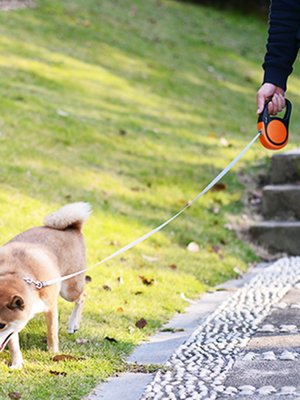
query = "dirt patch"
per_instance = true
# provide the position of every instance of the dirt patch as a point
(10, 5)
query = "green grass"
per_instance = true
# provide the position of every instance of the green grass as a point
(123, 104)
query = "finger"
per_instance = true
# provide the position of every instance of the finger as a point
(281, 101)
(275, 102)
(270, 108)
(260, 103)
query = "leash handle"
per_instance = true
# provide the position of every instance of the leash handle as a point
(274, 130)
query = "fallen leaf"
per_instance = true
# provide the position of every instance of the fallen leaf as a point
(218, 187)
(216, 249)
(66, 357)
(193, 247)
(173, 266)
(88, 279)
(120, 309)
(57, 373)
(146, 281)
(110, 339)
(107, 288)
(15, 395)
(141, 323)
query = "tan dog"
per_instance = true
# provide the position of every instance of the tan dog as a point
(53, 250)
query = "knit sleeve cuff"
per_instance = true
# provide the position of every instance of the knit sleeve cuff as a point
(276, 76)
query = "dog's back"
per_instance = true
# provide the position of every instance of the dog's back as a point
(61, 237)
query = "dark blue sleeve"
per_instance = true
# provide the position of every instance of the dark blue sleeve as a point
(283, 41)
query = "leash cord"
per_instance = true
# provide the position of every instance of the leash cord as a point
(42, 284)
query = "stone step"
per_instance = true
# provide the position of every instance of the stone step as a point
(281, 201)
(277, 236)
(286, 167)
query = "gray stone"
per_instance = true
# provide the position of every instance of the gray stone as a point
(127, 386)
(277, 236)
(286, 167)
(281, 201)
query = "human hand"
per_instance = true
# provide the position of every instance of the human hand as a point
(275, 94)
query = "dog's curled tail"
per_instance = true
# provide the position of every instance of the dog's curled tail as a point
(70, 216)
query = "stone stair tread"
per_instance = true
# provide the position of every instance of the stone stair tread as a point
(277, 224)
(282, 187)
(277, 236)
(293, 152)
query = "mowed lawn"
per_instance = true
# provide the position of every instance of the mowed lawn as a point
(132, 106)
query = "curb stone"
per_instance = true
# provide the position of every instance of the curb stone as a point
(161, 346)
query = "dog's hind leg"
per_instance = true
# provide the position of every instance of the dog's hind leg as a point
(74, 320)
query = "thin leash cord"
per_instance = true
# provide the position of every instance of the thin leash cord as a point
(41, 284)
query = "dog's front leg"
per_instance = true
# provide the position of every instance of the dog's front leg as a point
(52, 326)
(15, 351)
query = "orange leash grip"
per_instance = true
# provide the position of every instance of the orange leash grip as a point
(274, 130)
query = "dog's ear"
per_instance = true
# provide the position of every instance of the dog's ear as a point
(16, 303)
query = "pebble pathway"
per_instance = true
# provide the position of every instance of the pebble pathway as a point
(198, 369)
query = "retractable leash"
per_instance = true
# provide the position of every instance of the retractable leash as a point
(273, 134)
(274, 130)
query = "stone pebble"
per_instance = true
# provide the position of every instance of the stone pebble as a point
(221, 338)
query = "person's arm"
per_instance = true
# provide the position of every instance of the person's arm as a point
(282, 49)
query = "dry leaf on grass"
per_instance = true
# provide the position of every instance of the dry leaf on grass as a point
(66, 357)
(57, 373)
(141, 323)
(15, 395)
(218, 187)
(146, 281)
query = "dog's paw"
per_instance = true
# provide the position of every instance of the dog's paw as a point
(72, 327)
(16, 365)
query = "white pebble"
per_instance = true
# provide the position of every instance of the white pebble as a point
(287, 356)
(280, 305)
(247, 387)
(269, 355)
(267, 328)
(295, 305)
(288, 390)
(266, 390)
(193, 247)
(288, 328)
(246, 392)
(249, 356)
(231, 390)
